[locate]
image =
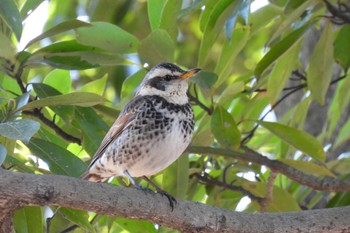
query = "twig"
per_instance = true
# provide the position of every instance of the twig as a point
(293, 90)
(328, 184)
(200, 104)
(36, 113)
(19, 80)
(269, 192)
(251, 133)
(339, 16)
(209, 180)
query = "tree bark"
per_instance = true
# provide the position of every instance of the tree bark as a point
(20, 189)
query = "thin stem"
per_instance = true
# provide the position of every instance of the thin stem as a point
(200, 104)
(36, 113)
(329, 184)
(209, 180)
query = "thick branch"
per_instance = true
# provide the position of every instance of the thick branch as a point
(326, 184)
(42, 190)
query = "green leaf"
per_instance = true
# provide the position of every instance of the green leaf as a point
(213, 25)
(6, 48)
(240, 12)
(108, 112)
(340, 199)
(3, 153)
(176, 177)
(224, 128)
(169, 17)
(230, 51)
(230, 91)
(344, 134)
(281, 73)
(205, 79)
(78, 217)
(308, 167)
(97, 86)
(342, 47)
(9, 145)
(157, 47)
(29, 6)
(163, 15)
(153, 9)
(131, 83)
(205, 15)
(339, 105)
(43, 91)
(296, 138)
(22, 100)
(60, 160)
(108, 37)
(132, 225)
(291, 18)
(59, 79)
(22, 129)
(59, 28)
(264, 16)
(72, 55)
(280, 48)
(339, 166)
(300, 111)
(92, 126)
(203, 136)
(319, 71)
(83, 99)
(10, 14)
(29, 220)
(282, 201)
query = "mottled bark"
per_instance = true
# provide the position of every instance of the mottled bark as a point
(20, 189)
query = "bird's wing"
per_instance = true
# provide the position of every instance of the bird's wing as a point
(123, 122)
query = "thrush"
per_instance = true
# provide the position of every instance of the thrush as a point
(151, 131)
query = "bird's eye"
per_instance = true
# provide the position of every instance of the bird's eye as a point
(168, 78)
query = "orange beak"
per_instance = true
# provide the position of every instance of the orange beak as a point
(189, 73)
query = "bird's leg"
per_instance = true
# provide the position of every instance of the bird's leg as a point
(133, 182)
(171, 199)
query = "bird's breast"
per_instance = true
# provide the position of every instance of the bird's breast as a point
(164, 132)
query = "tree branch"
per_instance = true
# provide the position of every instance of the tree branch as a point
(326, 184)
(338, 16)
(36, 113)
(205, 178)
(53, 190)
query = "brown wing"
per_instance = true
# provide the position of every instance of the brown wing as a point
(123, 122)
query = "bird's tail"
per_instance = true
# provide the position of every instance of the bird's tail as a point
(92, 177)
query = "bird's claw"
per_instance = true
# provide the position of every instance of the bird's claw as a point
(171, 199)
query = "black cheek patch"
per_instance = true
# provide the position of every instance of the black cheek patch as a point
(157, 83)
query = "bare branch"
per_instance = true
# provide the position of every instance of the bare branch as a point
(269, 192)
(209, 180)
(328, 184)
(36, 113)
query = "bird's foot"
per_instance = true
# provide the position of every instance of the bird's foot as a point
(143, 188)
(172, 200)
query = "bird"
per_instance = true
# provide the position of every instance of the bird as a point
(151, 131)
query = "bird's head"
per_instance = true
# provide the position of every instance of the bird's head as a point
(168, 81)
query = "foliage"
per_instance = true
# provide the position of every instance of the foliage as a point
(61, 91)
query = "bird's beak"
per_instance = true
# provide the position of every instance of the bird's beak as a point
(189, 73)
